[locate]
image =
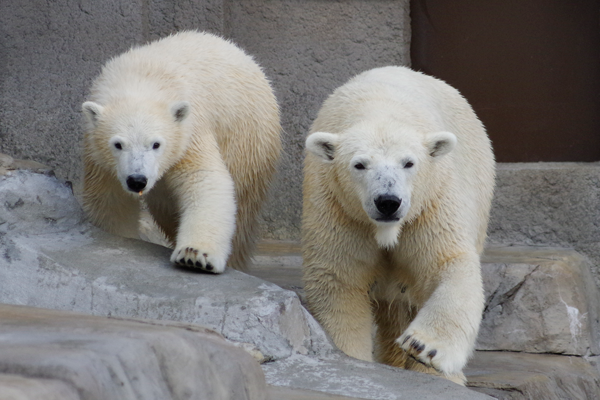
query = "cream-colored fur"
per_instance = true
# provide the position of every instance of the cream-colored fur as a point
(196, 117)
(415, 275)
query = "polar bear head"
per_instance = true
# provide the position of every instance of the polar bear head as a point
(379, 166)
(138, 140)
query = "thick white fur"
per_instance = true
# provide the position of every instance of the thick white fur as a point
(418, 277)
(196, 116)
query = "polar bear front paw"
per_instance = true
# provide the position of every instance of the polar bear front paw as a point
(432, 352)
(420, 350)
(190, 257)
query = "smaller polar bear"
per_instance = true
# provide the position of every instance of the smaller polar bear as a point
(398, 184)
(190, 124)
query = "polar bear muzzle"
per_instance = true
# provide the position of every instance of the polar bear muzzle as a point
(387, 205)
(136, 183)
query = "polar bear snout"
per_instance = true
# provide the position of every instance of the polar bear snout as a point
(387, 205)
(136, 183)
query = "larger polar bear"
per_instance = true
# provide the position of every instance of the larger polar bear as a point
(399, 176)
(190, 124)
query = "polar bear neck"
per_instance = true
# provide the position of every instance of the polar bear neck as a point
(387, 234)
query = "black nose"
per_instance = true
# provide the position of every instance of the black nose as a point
(136, 183)
(387, 205)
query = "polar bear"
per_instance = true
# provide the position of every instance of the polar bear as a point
(190, 124)
(399, 176)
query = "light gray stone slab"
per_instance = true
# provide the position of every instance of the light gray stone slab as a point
(539, 300)
(49, 260)
(18, 387)
(345, 376)
(93, 272)
(512, 376)
(33, 203)
(92, 358)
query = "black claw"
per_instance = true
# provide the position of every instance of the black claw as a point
(414, 344)
(209, 267)
(406, 339)
(420, 348)
(190, 262)
(432, 353)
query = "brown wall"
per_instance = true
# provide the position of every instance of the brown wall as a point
(530, 68)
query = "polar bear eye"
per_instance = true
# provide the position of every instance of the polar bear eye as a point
(155, 145)
(359, 166)
(118, 146)
(409, 164)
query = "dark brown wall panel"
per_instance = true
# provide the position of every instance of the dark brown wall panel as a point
(530, 68)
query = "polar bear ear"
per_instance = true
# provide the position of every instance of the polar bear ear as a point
(180, 110)
(92, 112)
(322, 144)
(440, 143)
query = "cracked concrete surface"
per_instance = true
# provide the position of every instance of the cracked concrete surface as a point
(539, 300)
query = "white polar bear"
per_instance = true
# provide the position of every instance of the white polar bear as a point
(399, 176)
(190, 123)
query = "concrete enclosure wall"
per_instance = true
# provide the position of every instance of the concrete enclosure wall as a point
(51, 50)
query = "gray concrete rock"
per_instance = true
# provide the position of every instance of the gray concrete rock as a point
(18, 387)
(548, 204)
(283, 393)
(50, 260)
(346, 376)
(511, 376)
(76, 356)
(35, 203)
(8, 164)
(5, 160)
(539, 300)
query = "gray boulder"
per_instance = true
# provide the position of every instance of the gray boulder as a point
(508, 375)
(51, 259)
(539, 300)
(47, 354)
(342, 375)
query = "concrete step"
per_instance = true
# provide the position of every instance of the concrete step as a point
(283, 393)
(49, 354)
(538, 300)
